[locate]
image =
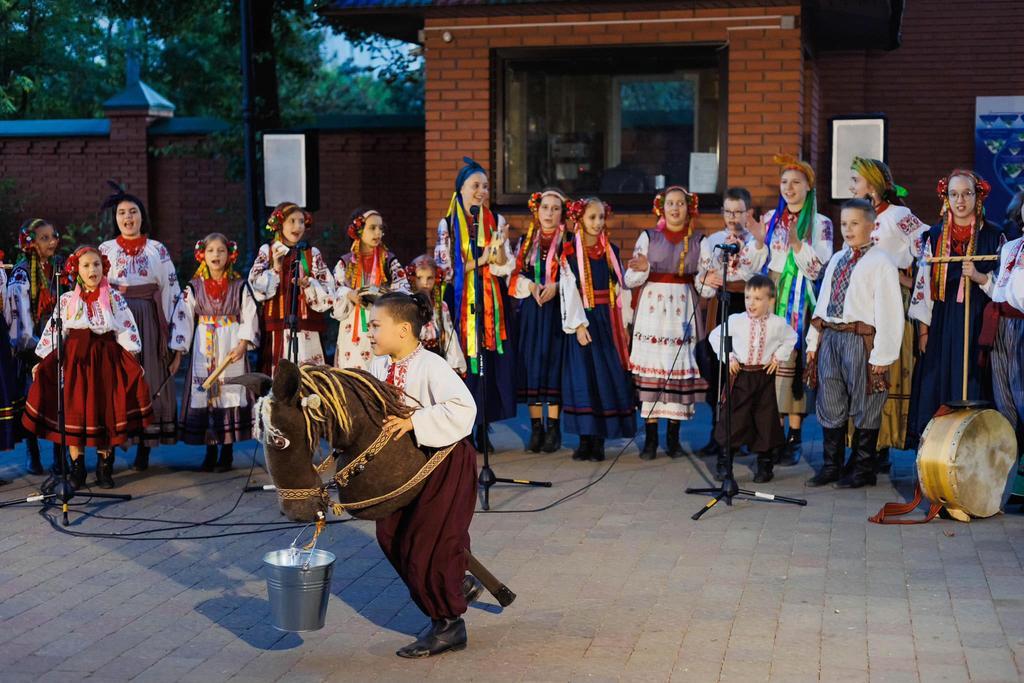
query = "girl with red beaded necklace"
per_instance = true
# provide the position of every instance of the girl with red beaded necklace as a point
(106, 396)
(598, 400)
(937, 303)
(271, 280)
(666, 326)
(142, 271)
(215, 320)
(368, 270)
(535, 283)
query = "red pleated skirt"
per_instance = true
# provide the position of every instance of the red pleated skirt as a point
(106, 396)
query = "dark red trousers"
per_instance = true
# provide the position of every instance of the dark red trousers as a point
(426, 540)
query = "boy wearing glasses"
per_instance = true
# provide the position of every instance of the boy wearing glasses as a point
(744, 263)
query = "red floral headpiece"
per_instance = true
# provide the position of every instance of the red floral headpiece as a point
(71, 265)
(282, 211)
(533, 204)
(576, 208)
(692, 201)
(27, 233)
(982, 188)
(355, 228)
(200, 251)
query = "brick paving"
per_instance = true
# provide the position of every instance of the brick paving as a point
(617, 584)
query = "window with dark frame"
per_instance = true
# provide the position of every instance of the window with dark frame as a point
(620, 122)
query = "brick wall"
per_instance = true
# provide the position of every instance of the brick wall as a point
(765, 91)
(927, 88)
(189, 195)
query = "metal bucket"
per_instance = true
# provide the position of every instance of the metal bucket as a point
(298, 585)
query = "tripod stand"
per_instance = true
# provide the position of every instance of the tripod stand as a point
(729, 488)
(487, 477)
(58, 486)
(292, 319)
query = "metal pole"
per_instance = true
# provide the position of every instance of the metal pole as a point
(248, 132)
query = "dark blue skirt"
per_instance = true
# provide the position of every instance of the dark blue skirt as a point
(598, 398)
(540, 352)
(12, 393)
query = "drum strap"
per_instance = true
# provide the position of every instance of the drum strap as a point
(898, 509)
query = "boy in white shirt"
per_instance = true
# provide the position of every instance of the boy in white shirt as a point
(855, 334)
(760, 341)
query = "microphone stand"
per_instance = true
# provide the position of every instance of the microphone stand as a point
(62, 490)
(487, 477)
(292, 319)
(729, 488)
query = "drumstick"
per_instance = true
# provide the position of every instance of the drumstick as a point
(957, 259)
(217, 372)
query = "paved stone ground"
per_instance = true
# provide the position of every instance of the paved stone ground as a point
(616, 584)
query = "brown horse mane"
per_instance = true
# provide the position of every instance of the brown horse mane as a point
(336, 387)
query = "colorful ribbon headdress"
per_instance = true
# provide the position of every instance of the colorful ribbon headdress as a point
(529, 248)
(981, 189)
(879, 177)
(692, 211)
(199, 251)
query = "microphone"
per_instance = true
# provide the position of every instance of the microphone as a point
(728, 248)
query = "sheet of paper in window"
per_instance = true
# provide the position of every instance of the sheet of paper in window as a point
(703, 172)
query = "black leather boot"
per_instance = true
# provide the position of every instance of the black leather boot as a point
(833, 449)
(650, 451)
(673, 448)
(596, 448)
(552, 437)
(444, 635)
(32, 463)
(77, 474)
(471, 588)
(764, 473)
(864, 453)
(105, 470)
(883, 463)
(582, 451)
(790, 454)
(210, 459)
(536, 435)
(227, 458)
(141, 463)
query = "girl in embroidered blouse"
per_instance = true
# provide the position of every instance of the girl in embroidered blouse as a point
(142, 271)
(368, 270)
(535, 283)
(31, 296)
(666, 326)
(796, 242)
(438, 333)
(106, 397)
(215, 321)
(597, 391)
(271, 280)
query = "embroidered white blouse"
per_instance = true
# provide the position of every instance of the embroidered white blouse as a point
(756, 340)
(742, 266)
(94, 318)
(444, 409)
(809, 261)
(152, 265)
(1008, 284)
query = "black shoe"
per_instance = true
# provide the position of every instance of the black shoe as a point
(77, 474)
(582, 451)
(673, 448)
(482, 441)
(471, 588)
(833, 451)
(883, 463)
(862, 460)
(552, 437)
(33, 465)
(536, 435)
(446, 634)
(141, 463)
(764, 473)
(226, 458)
(650, 451)
(596, 449)
(210, 459)
(790, 454)
(105, 470)
(711, 449)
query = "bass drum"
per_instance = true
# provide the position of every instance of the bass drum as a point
(964, 461)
